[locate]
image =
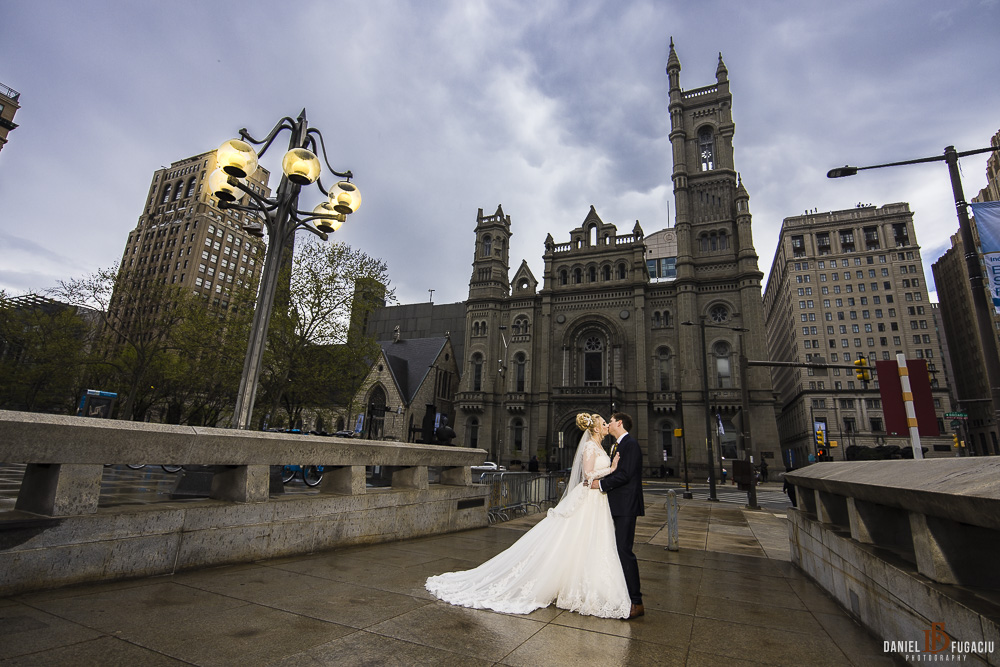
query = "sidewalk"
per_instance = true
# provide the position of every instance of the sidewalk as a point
(729, 596)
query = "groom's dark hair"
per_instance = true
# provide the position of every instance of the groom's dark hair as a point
(624, 419)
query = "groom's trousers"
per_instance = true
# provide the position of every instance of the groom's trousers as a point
(624, 539)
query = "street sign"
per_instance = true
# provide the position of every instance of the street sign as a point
(956, 415)
(955, 424)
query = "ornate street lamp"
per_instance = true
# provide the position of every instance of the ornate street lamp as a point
(300, 165)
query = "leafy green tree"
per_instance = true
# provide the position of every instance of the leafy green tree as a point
(137, 316)
(42, 349)
(309, 363)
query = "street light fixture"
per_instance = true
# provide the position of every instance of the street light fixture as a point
(300, 167)
(984, 316)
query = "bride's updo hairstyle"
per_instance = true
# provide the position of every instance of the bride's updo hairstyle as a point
(586, 421)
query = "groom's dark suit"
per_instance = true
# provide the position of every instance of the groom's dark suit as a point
(624, 489)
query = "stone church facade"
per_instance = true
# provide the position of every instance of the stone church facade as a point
(621, 321)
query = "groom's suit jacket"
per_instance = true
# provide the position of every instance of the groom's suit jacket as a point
(624, 485)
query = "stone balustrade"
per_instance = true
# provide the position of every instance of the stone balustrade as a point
(909, 548)
(58, 534)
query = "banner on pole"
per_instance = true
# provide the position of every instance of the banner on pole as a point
(891, 391)
(988, 224)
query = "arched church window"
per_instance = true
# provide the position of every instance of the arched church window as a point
(473, 439)
(723, 365)
(477, 372)
(666, 318)
(517, 433)
(520, 367)
(606, 273)
(663, 369)
(487, 246)
(723, 241)
(719, 313)
(563, 277)
(475, 328)
(592, 274)
(622, 272)
(577, 276)
(667, 439)
(706, 148)
(593, 361)
(713, 242)
(592, 235)
(656, 319)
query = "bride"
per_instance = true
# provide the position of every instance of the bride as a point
(568, 558)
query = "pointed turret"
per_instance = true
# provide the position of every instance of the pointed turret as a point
(721, 73)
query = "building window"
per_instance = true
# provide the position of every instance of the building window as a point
(477, 372)
(719, 314)
(723, 365)
(593, 361)
(667, 440)
(663, 366)
(474, 433)
(621, 272)
(487, 246)
(706, 147)
(517, 429)
(519, 371)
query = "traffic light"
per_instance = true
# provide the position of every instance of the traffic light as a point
(861, 370)
(820, 454)
(954, 437)
(820, 438)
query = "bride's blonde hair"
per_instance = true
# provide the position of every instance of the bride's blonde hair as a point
(587, 422)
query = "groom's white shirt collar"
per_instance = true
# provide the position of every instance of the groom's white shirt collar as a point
(621, 437)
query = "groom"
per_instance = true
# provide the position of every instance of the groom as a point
(624, 489)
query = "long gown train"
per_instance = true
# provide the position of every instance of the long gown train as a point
(569, 558)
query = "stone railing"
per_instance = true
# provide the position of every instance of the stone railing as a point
(909, 548)
(58, 534)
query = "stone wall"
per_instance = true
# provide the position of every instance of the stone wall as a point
(909, 548)
(58, 533)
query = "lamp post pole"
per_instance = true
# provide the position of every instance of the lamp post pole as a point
(300, 166)
(502, 378)
(748, 447)
(712, 494)
(981, 306)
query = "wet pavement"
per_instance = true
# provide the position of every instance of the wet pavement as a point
(729, 596)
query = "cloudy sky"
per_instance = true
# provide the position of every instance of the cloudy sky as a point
(442, 108)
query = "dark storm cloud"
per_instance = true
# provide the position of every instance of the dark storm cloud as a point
(443, 108)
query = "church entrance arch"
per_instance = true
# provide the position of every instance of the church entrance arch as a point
(375, 422)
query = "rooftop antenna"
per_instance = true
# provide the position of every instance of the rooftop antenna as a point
(432, 295)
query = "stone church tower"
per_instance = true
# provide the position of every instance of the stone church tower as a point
(622, 321)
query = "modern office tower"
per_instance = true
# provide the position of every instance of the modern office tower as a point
(184, 239)
(8, 107)
(980, 431)
(847, 285)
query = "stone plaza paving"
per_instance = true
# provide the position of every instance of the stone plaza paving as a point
(729, 596)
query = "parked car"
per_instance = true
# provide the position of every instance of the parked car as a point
(488, 466)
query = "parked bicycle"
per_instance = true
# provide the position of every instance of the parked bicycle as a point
(140, 466)
(311, 475)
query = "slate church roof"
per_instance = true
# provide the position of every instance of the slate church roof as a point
(410, 361)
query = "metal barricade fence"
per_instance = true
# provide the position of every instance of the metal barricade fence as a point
(514, 494)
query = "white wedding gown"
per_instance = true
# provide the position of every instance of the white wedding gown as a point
(568, 558)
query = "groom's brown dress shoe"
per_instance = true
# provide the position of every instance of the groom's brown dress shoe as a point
(636, 611)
